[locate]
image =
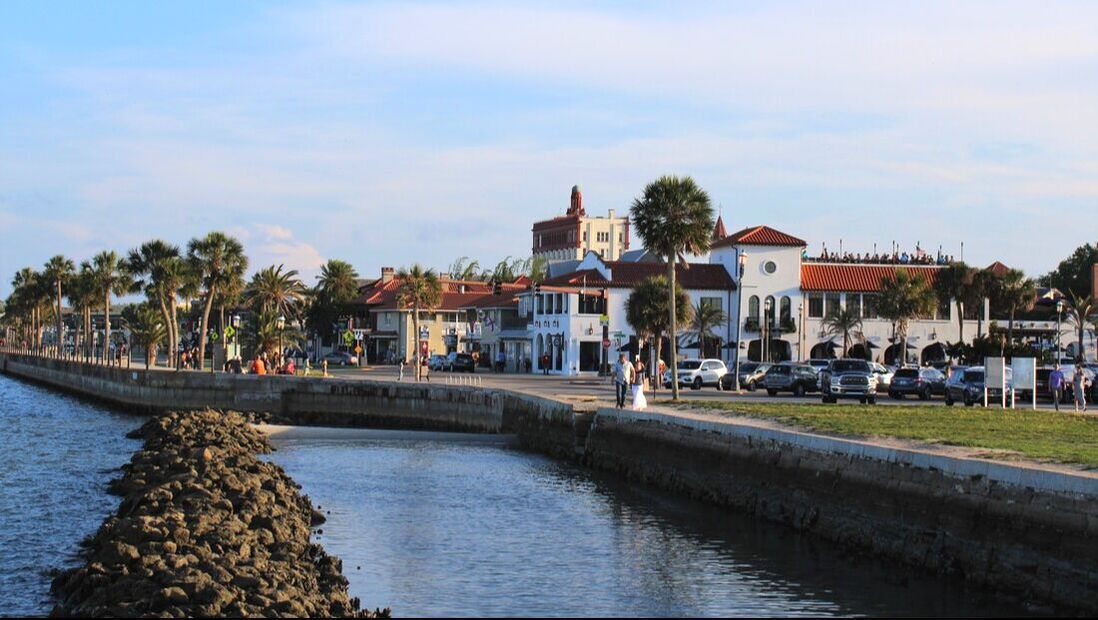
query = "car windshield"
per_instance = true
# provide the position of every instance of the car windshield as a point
(778, 370)
(974, 376)
(907, 373)
(849, 365)
(690, 365)
(748, 367)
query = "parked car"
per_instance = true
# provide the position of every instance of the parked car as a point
(751, 373)
(921, 382)
(340, 358)
(796, 378)
(848, 378)
(884, 375)
(436, 362)
(697, 373)
(967, 386)
(463, 362)
(818, 364)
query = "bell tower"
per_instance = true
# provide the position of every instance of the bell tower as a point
(576, 207)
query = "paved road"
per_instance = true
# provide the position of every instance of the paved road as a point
(600, 388)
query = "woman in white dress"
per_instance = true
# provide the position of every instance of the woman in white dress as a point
(640, 403)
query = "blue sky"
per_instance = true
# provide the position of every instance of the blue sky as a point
(392, 133)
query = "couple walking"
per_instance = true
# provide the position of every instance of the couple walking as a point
(630, 376)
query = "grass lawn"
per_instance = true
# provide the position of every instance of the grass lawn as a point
(1037, 435)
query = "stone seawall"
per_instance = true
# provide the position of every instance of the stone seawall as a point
(1025, 531)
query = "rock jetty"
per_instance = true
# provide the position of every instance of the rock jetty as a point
(205, 528)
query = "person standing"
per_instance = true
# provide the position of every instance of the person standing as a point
(1056, 385)
(640, 403)
(400, 370)
(1079, 388)
(623, 379)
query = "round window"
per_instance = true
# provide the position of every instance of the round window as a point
(770, 266)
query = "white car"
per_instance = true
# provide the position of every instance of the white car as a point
(698, 373)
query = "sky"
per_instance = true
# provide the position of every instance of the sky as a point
(391, 133)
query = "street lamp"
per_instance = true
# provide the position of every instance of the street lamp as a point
(767, 306)
(739, 318)
(281, 326)
(1059, 311)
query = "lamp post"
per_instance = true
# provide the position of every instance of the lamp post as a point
(742, 259)
(281, 326)
(767, 307)
(1059, 311)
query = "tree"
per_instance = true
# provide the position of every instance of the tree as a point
(673, 217)
(147, 327)
(985, 285)
(846, 322)
(464, 269)
(1075, 272)
(648, 310)
(217, 260)
(110, 277)
(953, 283)
(1015, 292)
(59, 270)
(82, 298)
(904, 297)
(707, 317)
(420, 289)
(268, 335)
(336, 288)
(275, 292)
(159, 270)
(1083, 308)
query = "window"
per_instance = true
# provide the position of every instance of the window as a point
(752, 308)
(711, 302)
(770, 266)
(786, 310)
(832, 303)
(541, 305)
(869, 307)
(585, 241)
(815, 306)
(944, 308)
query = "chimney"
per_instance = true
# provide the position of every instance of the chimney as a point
(387, 274)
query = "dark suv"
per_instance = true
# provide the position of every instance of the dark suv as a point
(921, 382)
(796, 378)
(463, 362)
(848, 378)
(751, 374)
(967, 386)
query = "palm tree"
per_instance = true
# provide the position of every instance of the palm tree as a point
(464, 269)
(336, 288)
(846, 322)
(111, 277)
(985, 285)
(268, 334)
(276, 292)
(82, 298)
(147, 327)
(218, 260)
(1083, 308)
(59, 270)
(159, 271)
(904, 297)
(648, 311)
(706, 318)
(953, 283)
(673, 217)
(420, 289)
(1016, 292)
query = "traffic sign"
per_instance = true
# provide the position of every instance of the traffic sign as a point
(348, 337)
(606, 343)
(604, 319)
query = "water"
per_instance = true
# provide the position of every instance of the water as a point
(57, 454)
(450, 525)
(433, 524)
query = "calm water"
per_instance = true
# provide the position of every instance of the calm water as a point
(56, 456)
(460, 525)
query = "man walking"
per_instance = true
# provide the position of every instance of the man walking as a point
(1056, 385)
(623, 379)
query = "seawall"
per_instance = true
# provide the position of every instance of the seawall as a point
(1028, 531)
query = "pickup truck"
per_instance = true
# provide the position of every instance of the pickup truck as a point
(848, 378)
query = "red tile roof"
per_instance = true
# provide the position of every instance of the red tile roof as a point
(382, 295)
(841, 277)
(719, 231)
(760, 235)
(998, 269)
(628, 275)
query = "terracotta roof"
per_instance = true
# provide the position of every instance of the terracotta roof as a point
(628, 275)
(998, 269)
(842, 277)
(382, 295)
(759, 235)
(719, 232)
(506, 299)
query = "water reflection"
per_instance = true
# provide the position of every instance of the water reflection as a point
(440, 526)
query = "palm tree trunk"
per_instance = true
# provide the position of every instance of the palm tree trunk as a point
(415, 340)
(204, 325)
(960, 322)
(173, 332)
(60, 341)
(107, 328)
(674, 353)
(1010, 327)
(167, 325)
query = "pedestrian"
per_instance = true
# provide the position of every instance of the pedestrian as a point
(425, 370)
(545, 363)
(1079, 388)
(400, 370)
(1056, 385)
(324, 365)
(307, 367)
(290, 368)
(623, 379)
(640, 403)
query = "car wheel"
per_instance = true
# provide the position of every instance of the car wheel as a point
(924, 395)
(872, 400)
(969, 403)
(750, 386)
(862, 400)
(697, 384)
(949, 401)
(771, 392)
(798, 390)
(896, 395)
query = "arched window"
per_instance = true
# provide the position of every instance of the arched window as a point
(786, 310)
(770, 309)
(753, 308)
